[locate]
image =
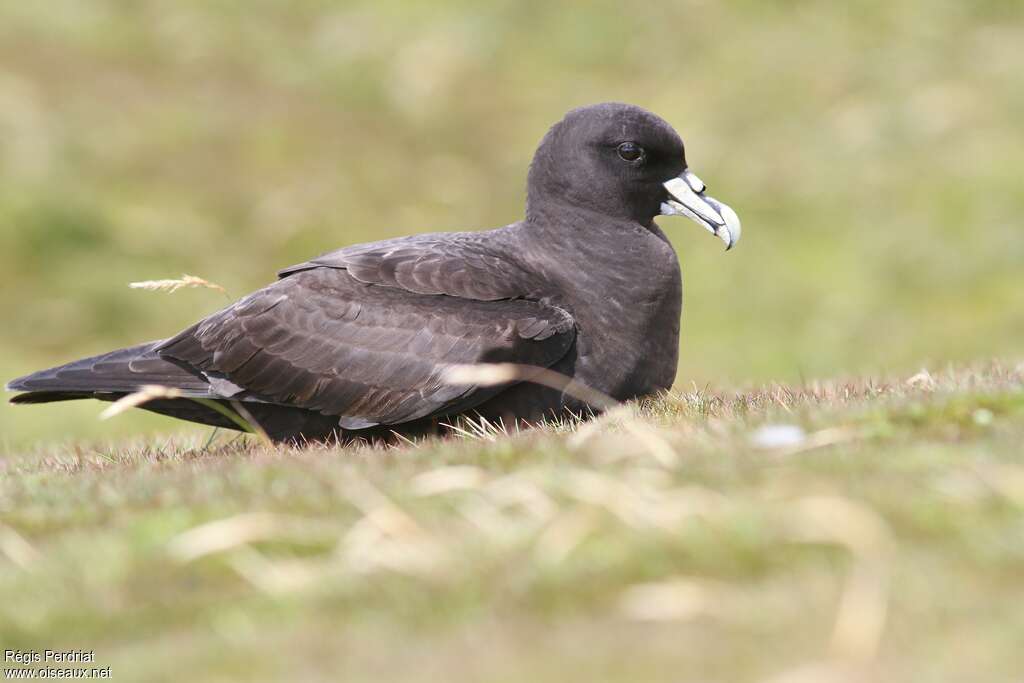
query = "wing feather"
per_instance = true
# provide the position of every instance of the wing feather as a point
(469, 265)
(324, 338)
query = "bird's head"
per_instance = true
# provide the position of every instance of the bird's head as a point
(624, 162)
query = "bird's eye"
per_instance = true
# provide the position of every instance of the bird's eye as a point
(630, 151)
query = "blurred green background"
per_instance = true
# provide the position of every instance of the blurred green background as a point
(875, 151)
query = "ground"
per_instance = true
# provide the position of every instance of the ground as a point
(826, 531)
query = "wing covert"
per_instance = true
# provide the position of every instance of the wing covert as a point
(324, 340)
(457, 264)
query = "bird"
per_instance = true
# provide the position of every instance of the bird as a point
(354, 344)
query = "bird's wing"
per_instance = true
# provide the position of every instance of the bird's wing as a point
(321, 339)
(466, 265)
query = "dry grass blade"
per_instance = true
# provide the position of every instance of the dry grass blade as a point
(15, 548)
(822, 672)
(446, 479)
(861, 616)
(253, 425)
(564, 534)
(277, 577)
(386, 537)
(674, 600)
(403, 438)
(521, 490)
(171, 286)
(648, 437)
(378, 509)
(240, 416)
(642, 502)
(370, 547)
(1006, 480)
(480, 429)
(240, 530)
(222, 534)
(492, 374)
(147, 393)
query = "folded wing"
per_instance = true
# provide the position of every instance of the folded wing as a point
(468, 265)
(324, 339)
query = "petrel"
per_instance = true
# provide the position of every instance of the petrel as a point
(355, 343)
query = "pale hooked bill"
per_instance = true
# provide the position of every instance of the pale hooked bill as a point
(687, 198)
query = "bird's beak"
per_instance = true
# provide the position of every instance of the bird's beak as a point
(687, 198)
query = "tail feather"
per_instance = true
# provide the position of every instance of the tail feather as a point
(110, 376)
(121, 371)
(53, 396)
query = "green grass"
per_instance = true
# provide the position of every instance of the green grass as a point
(670, 545)
(874, 152)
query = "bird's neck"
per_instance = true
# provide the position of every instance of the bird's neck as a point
(574, 250)
(556, 218)
(550, 210)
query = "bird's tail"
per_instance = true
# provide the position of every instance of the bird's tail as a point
(108, 376)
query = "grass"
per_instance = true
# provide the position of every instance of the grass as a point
(873, 530)
(878, 537)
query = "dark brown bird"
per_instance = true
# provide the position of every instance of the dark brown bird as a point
(355, 343)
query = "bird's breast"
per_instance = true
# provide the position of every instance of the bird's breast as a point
(627, 308)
